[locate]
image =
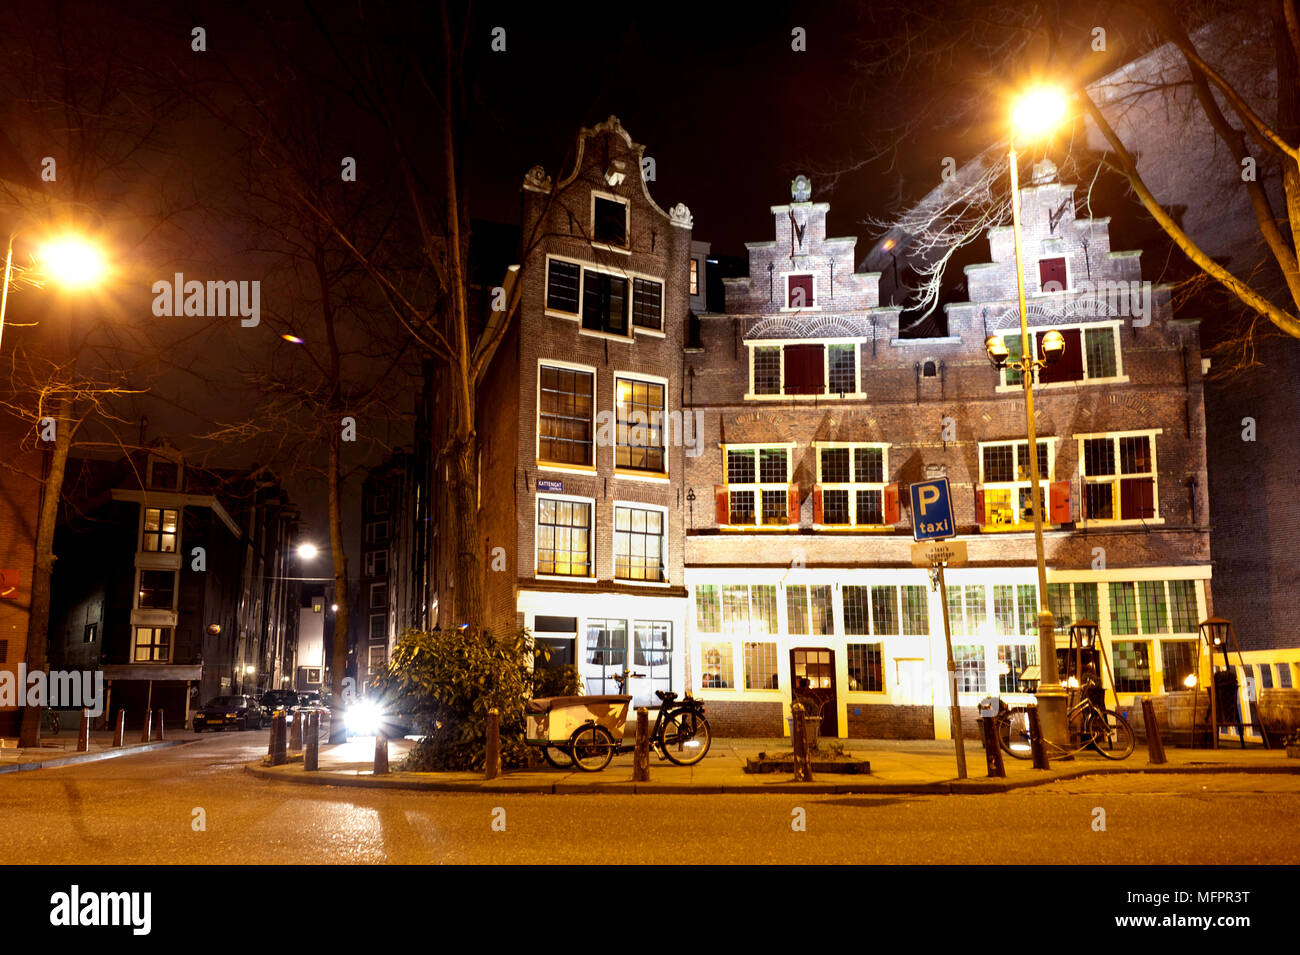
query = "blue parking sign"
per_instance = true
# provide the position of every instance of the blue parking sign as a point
(932, 510)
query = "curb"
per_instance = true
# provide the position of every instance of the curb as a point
(93, 757)
(861, 786)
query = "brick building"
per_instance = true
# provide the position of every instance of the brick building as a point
(580, 424)
(817, 417)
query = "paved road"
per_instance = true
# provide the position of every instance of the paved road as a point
(141, 809)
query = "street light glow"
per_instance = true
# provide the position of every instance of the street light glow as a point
(307, 551)
(72, 261)
(1038, 111)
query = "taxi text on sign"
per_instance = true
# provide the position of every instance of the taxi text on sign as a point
(932, 510)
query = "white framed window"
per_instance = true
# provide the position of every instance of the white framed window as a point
(851, 481)
(566, 415)
(563, 287)
(164, 474)
(376, 563)
(805, 368)
(1119, 477)
(564, 535)
(610, 220)
(640, 534)
(377, 532)
(156, 590)
(758, 486)
(152, 645)
(379, 504)
(160, 529)
(1092, 355)
(379, 595)
(604, 301)
(640, 407)
(377, 658)
(1005, 480)
(717, 665)
(378, 626)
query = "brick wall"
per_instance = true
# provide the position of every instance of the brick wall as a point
(737, 718)
(18, 513)
(890, 722)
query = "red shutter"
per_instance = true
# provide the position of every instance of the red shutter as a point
(721, 504)
(805, 283)
(817, 504)
(804, 369)
(1136, 498)
(1068, 367)
(1051, 275)
(792, 503)
(1059, 509)
(891, 504)
(979, 506)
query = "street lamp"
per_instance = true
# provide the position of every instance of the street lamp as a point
(1036, 113)
(307, 551)
(70, 259)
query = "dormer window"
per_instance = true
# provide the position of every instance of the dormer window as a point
(163, 475)
(799, 291)
(609, 221)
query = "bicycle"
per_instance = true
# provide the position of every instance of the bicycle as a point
(1091, 727)
(50, 720)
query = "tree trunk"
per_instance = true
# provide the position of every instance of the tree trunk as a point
(38, 621)
(468, 590)
(339, 654)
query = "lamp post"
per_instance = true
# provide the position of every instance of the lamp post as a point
(1036, 113)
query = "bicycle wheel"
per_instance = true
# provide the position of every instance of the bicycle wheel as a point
(557, 756)
(1112, 737)
(685, 738)
(1013, 733)
(592, 747)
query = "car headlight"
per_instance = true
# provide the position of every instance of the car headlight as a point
(363, 718)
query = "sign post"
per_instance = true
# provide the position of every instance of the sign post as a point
(932, 521)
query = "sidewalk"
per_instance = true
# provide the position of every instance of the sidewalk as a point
(61, 750)
(897, 766)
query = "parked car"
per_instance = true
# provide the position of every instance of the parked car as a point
(273, 700)
(222, 711)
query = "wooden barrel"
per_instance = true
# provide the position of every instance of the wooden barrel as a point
(1279, 711)
(1178, 726)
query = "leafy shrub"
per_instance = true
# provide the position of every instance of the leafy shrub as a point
(563, 680)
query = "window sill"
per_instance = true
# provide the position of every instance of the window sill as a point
(605, 247)
(575, 580)
(802, 308)
(831, 395)
(650, 477)
(652, 332)
(567, 316)
(609, 336)
(760, 528)
(567, 468)
(1130, 522)
(642, 583)
(855, 528)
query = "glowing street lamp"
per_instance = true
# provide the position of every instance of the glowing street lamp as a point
(1035, 114)
(71, 260)
(307, 551)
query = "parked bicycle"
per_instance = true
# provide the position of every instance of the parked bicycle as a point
(1091, 727)
(587, 731)
(50, 721)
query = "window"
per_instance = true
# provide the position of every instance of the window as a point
(1182, 606)
(565, 416)
(967, 611)
(969, 660)
(609, 221)
(767, 370)
(1265, 677)
(376, 563)
(1012, 660)
(1091, 354)
(866, 671)
(1006, 484)
(1052, 275)
(735, 608)
(164, 475)
(606, 655)
(652, 655)
(799, 291)
(379, 595)
(916, 611)
(803, 614)
(758, 487)
(823, 610)
(604, 303)
(1123, 609)
(1154, 610)
(647, 304)
(760, 666)
(378, 658)
(762, 605)
(1132, 667)
(377, 532)
(638, 543)
(796, 610)
(804, 369)
(639, 409)
(563, 280)
(1119, 473)
(717, 669)
(855, 610)
(1284, 676)
(379, 504)
(695, 277)
(884, 611)
(378, 626)
(157, 590)
(152, 645)
(842, 361)
(90, 635)
(160, 530)
(708, 609)
(563, 537)
(1178, 662)
(850, 486)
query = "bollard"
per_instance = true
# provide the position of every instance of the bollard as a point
(1036, 744)
(278, 740)
(119, 735)
(641, 759)
(799, 733)
(148, 726)
(83, 737)
(162, 732)
(992, 751)
(1155, 745)
(381, 754)
(492, 762)
(311, 755)
(295, 736)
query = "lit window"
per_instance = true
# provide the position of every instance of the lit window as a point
(1177, 662)
(563, 537)
(717, 666)
(758, 486)
(969, 660)
(1132, 667)
(708, 609)
(695, 276)
(760, 666)
(866, 670)
(638, 544)
(160, 530)
(152, 645)
(566, 416)
(1119, 474)
(639, 410)
(1005, 481)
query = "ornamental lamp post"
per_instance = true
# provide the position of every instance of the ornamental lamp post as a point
(1035, 114)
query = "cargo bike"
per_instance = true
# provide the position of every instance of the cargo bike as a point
(587, 731)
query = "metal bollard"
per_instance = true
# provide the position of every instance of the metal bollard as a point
(641, 759)
(492, 762)
(278, 740)
(162, 732)
(1155, 745)
(83, 737)
(295, 735)
(381, 754)
(1036, 744)
(148, 726)
(992, 751)
(119, 735)
(311, 754)
(799, 732)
